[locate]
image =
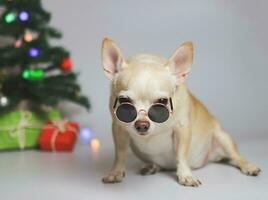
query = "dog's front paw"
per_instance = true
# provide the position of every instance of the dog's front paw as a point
(250, 169)
(114, 177)
(188, 181)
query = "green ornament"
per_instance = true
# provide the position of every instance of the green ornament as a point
(33, 74)
(10, 17)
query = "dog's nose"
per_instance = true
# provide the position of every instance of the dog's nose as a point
(142, 125)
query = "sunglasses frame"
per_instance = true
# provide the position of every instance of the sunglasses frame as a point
(170, 110)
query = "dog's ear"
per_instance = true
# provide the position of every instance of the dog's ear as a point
(112, 59)
(181, 61)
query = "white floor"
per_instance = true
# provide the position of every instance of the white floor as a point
(35, 175)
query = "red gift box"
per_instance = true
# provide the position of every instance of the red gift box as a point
(58, 136)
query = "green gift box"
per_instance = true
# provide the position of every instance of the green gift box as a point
(21, 129)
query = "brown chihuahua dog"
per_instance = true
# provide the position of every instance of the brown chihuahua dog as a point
(166, 126)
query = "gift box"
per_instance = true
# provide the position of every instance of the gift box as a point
(58, 135)
(21, 129)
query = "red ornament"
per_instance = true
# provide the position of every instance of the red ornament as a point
(58, 136)
(66, 64)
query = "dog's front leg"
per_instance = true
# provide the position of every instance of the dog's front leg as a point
(184, 173)
(121, 141)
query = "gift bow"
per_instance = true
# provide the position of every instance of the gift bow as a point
(59, 127)
(19, 130)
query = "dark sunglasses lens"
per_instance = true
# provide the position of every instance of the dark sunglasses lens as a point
(126, 113)
(158, 113)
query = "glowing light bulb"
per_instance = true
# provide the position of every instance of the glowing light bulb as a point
(24, 16)
(34, 52)
(17, 44)
(33, 74)
(95, 145)
(10, 17)
(28, 37)
(85, 135)
(3, 101)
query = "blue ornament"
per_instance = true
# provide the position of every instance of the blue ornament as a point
(85, 135)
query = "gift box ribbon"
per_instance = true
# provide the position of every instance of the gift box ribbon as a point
(19, 130)
(59, 127)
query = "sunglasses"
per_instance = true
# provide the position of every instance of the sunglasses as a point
(158, 112)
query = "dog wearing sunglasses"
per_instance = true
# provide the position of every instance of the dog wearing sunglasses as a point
(154, 112)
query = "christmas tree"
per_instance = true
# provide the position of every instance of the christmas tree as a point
(31, 68)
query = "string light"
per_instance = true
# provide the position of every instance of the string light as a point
(95, 145)
(33, 74)
(10, 17)
(28, 37)
(17, 44)
(85, 135)
(23, 16)
(34, 52)
(3, 101)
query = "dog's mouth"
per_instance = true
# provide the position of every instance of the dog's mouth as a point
(142, 133)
